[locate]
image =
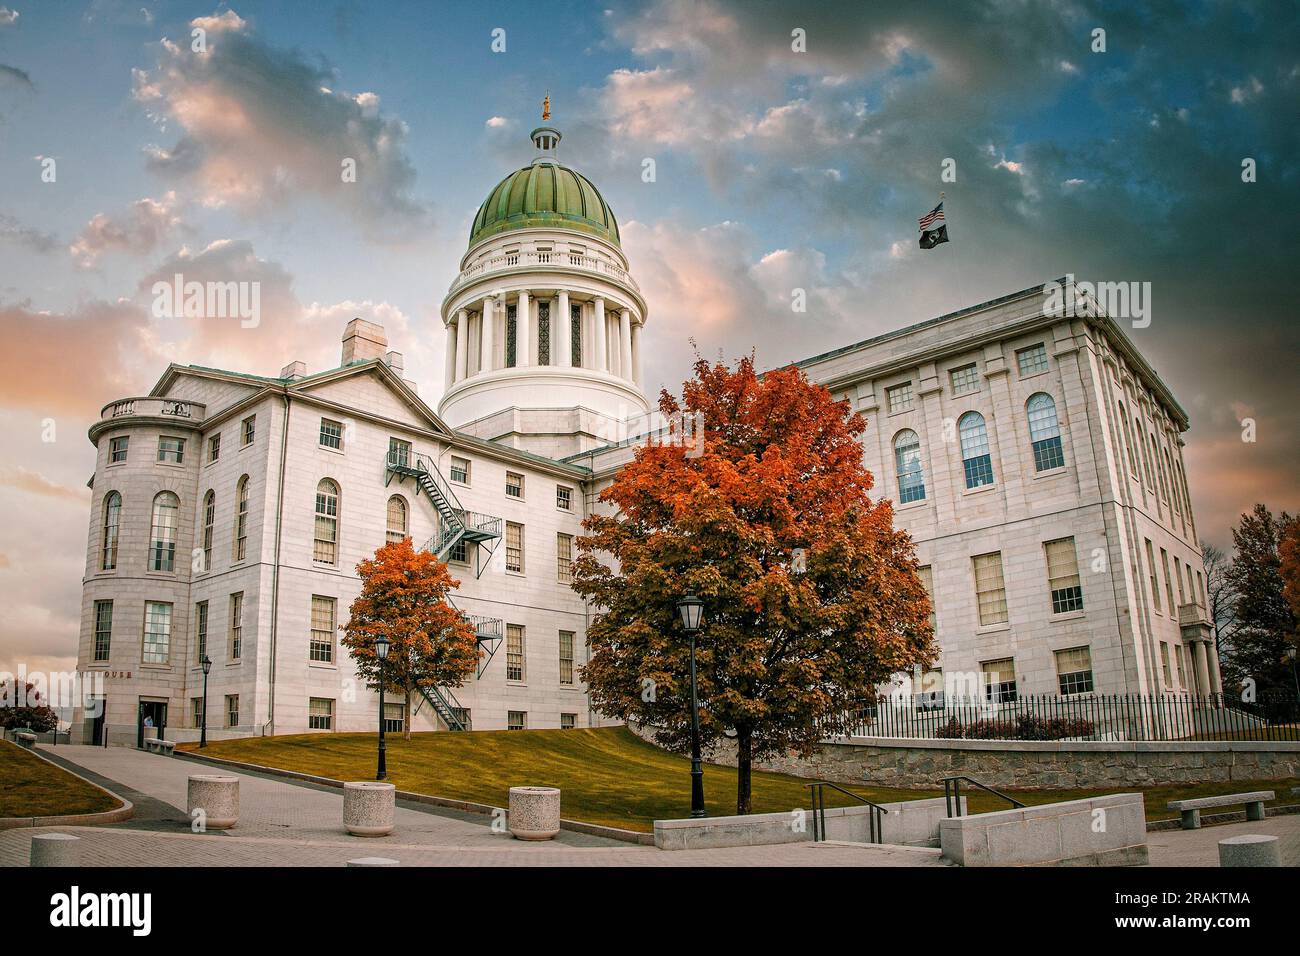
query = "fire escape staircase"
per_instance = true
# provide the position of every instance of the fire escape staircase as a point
(454, 525)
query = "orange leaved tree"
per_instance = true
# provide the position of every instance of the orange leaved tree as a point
(811, 596)
(404, 597)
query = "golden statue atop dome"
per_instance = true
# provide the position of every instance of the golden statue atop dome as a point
(546, 106)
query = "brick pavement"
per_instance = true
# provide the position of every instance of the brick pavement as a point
(1201, 847)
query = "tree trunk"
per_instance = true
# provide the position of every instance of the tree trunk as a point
(406, 720)
(744, 765)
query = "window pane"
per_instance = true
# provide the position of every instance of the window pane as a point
(514, 652)
(157, 632)
(964, 379)
(103, 629)
(990, 591)
(907, 458)
(564, 558)
(1063, 576)
(566, 657)
(976, 460)
(322, 628)
(331, 433)
(514, 547)
(899, 397)
(162, 536)
(1032, 360)
(396, 518)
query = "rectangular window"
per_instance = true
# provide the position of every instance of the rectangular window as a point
(999, 681)
(117, 448)
(514, 485)
(322, 628)
(320, 713)
(1178, 659)
(899, 397)
(394, 717)
(564, 558)
(196, 712)
(516, 720)
(236, 625)
(1200, 587)
(1032, 360)
(103, 629)
(544, 330)
(200, 631)
(990, 590)
(1074, 670)
(460, 470)
(1169, 587)
(232, 710)
(399, 453)
(515, 660)
(930, 696)
(214, 447)
(331, 434)
(1164, 664)
(1063, 575)
(575, 335)
(157, 632)
(1151, 570)
(566, 657)
(459, 553)
(964, 379)
(568, 721)
(563, 498)
(926, 574)
(462, 714)
(171, 450)
(514, 547)
(248, 429)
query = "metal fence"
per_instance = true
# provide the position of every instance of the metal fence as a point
(1081, 717)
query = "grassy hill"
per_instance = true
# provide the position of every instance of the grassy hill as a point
(32, 787)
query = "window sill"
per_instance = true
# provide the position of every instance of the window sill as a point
(911, 505)
(1069, 615)
(235, 663)
(1050, 472)
(114, 464)
(332, 451)
(1025, 378)
(902, 411)
(323, 665)
(980, 490)
(993, 628)
(171, 464)
(516, 574)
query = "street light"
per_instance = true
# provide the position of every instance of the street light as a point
(207, 667)
(1290, 652)
(691, 610)
(381, 651)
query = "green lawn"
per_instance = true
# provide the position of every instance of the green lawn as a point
(608, 775)
(32, 787)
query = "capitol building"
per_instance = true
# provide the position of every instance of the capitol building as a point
(1035, 459)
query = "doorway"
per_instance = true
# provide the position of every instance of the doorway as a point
(97, 723)
(154, 712)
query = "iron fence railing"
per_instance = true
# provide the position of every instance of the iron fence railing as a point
(937, 716)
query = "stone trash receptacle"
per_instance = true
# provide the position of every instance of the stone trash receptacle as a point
(217, 795)
(534, 813)
(368, 807)
(56, 849)
(1250, 849)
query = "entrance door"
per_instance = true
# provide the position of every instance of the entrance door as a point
(155, 713)
(97, 724)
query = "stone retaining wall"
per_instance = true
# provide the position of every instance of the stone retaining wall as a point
(894, 762)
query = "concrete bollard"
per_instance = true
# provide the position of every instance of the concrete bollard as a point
(217, 795)
(368, 807)
(534, 813)
(1251, 849)
(373, 861)
(56, 849)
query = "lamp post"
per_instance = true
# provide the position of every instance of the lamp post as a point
(381, 652)
(691, 610)
(203, 733)
(1291, 652)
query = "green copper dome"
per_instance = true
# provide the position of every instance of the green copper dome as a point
(541, 195)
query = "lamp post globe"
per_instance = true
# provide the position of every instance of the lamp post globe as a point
(381, 652)
(206, 663)
(690, 610)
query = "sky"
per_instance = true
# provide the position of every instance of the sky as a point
(794, 147)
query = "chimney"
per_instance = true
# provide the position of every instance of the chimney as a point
(394, 361)
(363, 341)
(294, 371)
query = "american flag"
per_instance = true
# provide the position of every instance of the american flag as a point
(931, 217)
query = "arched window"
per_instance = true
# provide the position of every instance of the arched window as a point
(325, 546)
(396, 518)
(209, 516)
(975, 450)
(241, 520)
(112, 520)
(907, 458)
(1044, 432)
(162, 534)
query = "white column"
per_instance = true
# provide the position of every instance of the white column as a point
(625, 344)
(489, 322)
(523, 331)
(450, 374)
(561, 328)
(599, 352)
(636, 356)
(462, 342)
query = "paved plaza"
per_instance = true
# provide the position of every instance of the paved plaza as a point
(287, 823)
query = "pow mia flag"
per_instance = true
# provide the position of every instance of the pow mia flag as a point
(932, 234)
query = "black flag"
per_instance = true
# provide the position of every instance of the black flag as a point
(932, 237)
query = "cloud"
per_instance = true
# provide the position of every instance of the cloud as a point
(33, 482)
(8, 17)
(13, 231)
(138, 230)
(12, 76)
(261, 126)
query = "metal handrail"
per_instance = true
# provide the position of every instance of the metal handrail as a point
(952, 793)
(818, 796)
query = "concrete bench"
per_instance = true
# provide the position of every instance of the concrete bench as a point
(165, 747)
(27, 740)
(151, 744)
(1191, 809)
